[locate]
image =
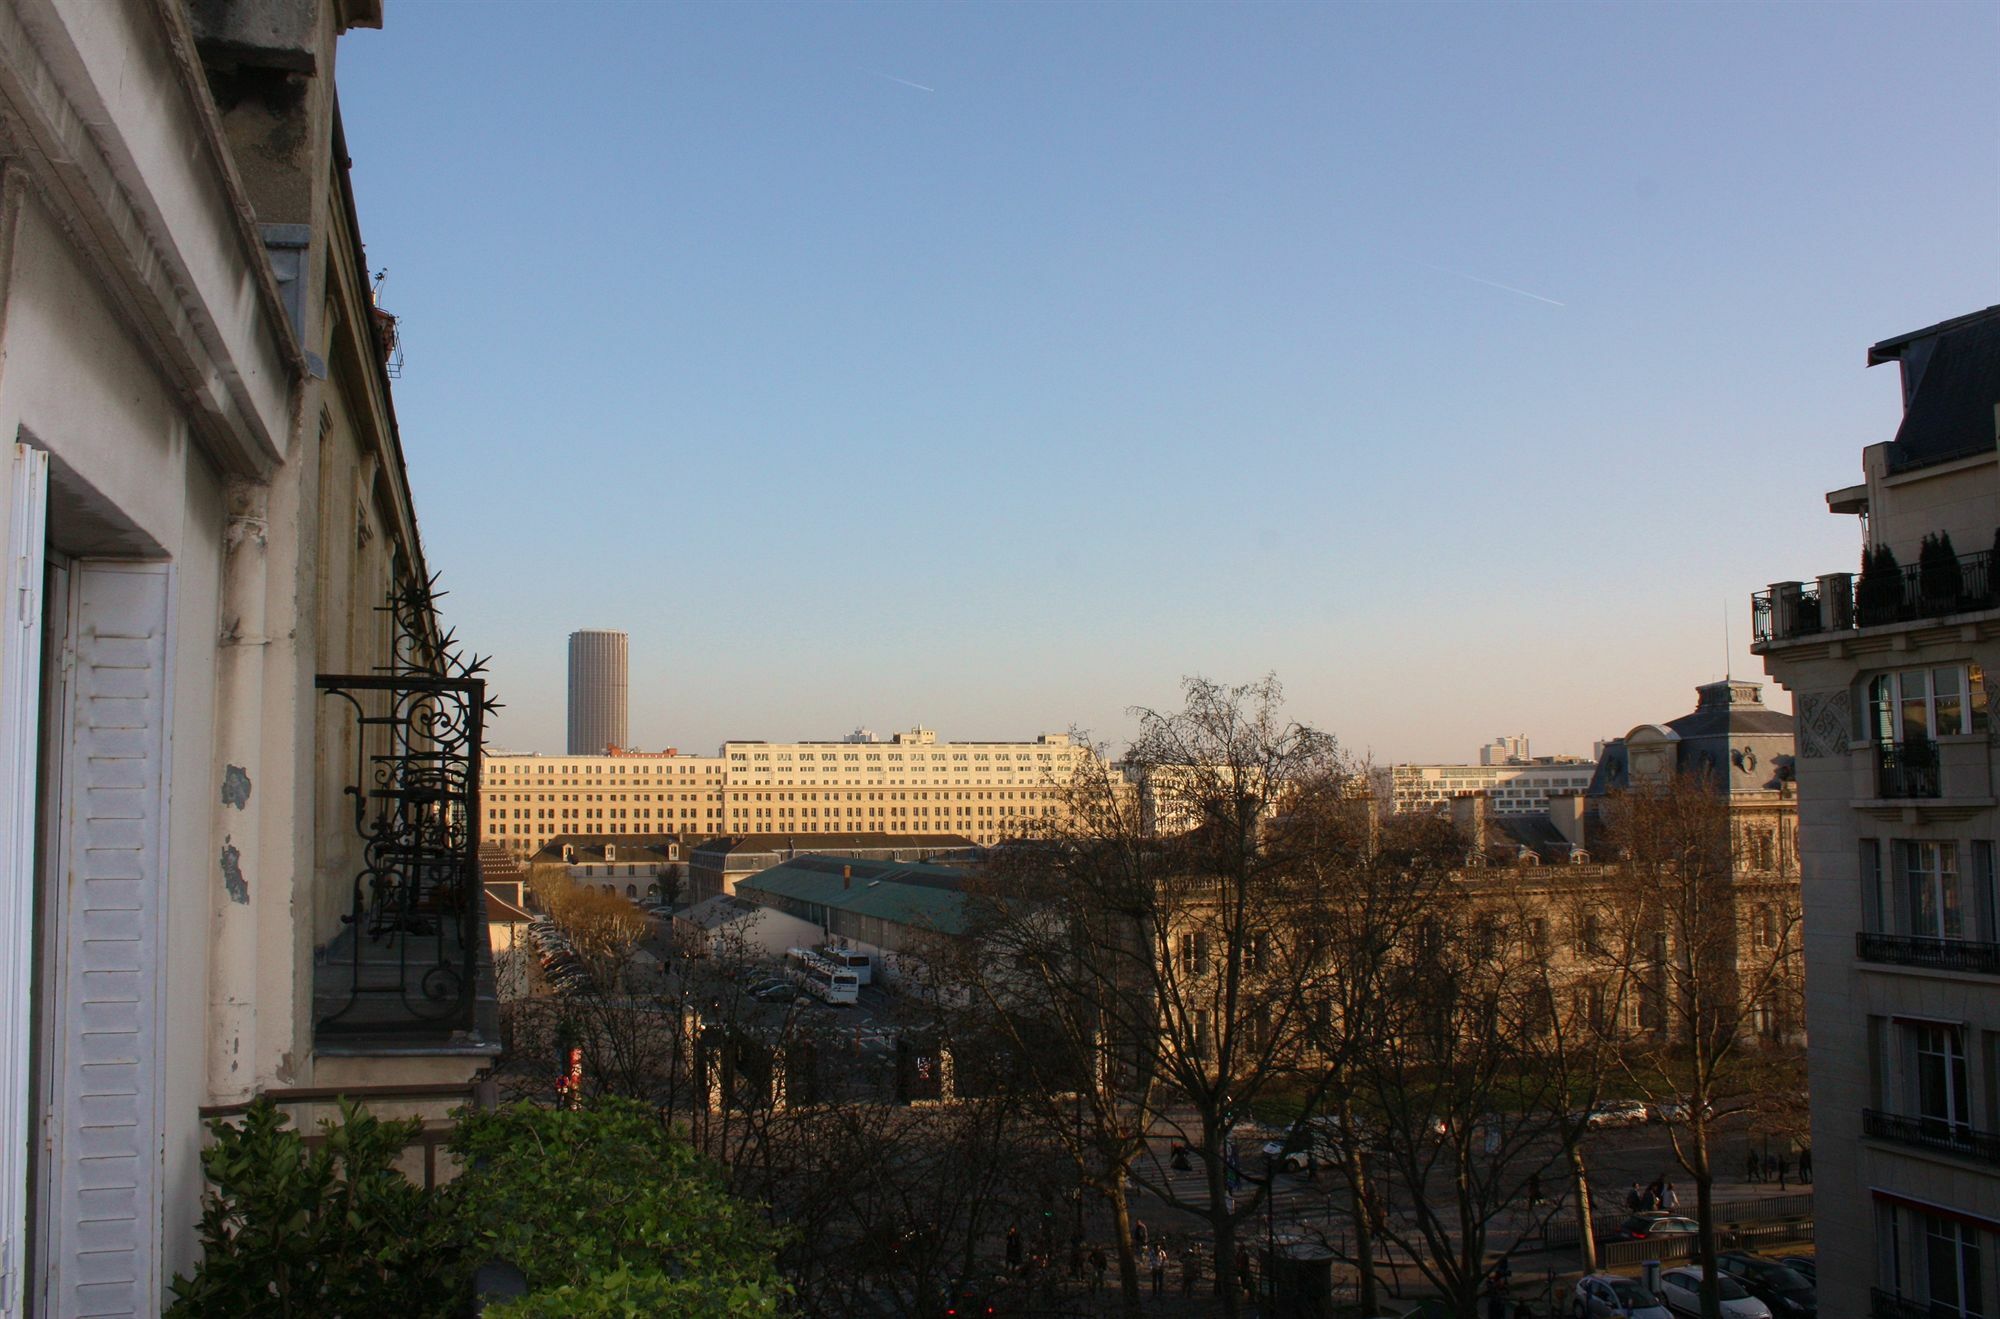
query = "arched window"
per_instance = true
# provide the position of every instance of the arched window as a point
(631, 890)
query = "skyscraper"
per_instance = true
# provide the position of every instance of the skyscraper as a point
(596, 692)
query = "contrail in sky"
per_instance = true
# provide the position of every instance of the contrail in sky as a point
(905, 81)
(1495, 284)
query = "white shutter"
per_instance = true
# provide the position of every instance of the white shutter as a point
(103, 1122)
(24, 486)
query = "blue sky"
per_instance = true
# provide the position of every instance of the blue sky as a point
(1136, 341)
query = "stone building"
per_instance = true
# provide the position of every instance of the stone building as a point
(204, 512)
(1892, 675)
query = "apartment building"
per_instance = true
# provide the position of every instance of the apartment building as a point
(909, 784)
(1516, 788)
(1893, 674)
(210, 557)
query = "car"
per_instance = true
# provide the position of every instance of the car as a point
(1602, 1295)
(779, 993)
(1639, 1227)
(1805, 1266)
(1680, 1288)
(1789, 1294)
(757, 987)
(1617, 1113)
(1678, 1110)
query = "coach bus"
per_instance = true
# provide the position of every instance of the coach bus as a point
(821, 978)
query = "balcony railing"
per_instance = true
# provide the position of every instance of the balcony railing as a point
(1930, 1133)
(1907, 769)
(1888, 1305)
(412, 956)
(1841, 601)
(1924, 950)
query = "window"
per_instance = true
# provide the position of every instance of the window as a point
(1934, 906)
(1918, 705)
(1951, 1266)
(1940, 1083)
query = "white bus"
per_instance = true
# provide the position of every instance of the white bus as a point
(821, 978)
(859, 963)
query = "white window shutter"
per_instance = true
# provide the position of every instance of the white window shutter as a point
(23, 505)
(103, 1117)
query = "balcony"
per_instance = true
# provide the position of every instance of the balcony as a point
(1923, 950)
(1888, 1305)
(1906, 769)
(1841, 602)
(1934, 1134)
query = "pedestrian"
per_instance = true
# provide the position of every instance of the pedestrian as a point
(1805, 1166)
(1784, 1169)
(1637, 1200)
(1654, 1192)
(1750, 1168)
(1670, 1199)
(1243, 1270)
(1496, 1303)
(1159, 1269)
(1770, 1167)
(1503, 1274)
(1139, 1236)
(1534, 1189)
(1190, 1270)
(1098, 1264)
(1014, 1249)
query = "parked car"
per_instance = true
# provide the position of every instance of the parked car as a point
(1676, 1110)
(1603, 1295)
(1680, 1288)
(1789, 1294)
(1618, 1113)
(1639, 1227)
(1805, 1266)
(778, 993)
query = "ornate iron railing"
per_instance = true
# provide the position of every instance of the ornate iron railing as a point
(1930, 1133)
(409, 957)
(1888, 1305)
(1907, 769)
(1928, 950)
(1948, 586)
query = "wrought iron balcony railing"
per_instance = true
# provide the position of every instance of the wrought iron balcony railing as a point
(1907, 769)
(1924, 950)
(1932, 1133)
(1843, 600)
(1888, 1305)
(412, 954)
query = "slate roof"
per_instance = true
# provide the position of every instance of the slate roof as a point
(1949, 414)
(633, 849)
(808, 843)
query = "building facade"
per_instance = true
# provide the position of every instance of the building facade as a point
(1511, 788)
(599, 683)
(910, 784)
(205, 517)
(1893, 676)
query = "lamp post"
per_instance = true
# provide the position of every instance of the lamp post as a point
(1270, 1288)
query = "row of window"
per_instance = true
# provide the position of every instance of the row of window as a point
(1930, 888)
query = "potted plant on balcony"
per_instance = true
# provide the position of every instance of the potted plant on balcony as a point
(1878, 596)
(1940, 585)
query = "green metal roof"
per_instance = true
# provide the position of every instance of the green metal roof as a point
(914, 893)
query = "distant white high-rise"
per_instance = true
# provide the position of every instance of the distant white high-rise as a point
(597, 682)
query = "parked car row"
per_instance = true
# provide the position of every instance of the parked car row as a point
(561, 967)
(1749, 1287)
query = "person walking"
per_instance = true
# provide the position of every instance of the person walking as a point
(1534, 1189)
(1770, 1167)
(1636, 1201)
(1190, 1270)
(1805, 1166)
(1751, 1168)
(1098, 1264)
(1784, 1169)
(1670, 1199)
(1014, 1250)
(1243, 1271)
(1139, 1236)
(1159, 1269)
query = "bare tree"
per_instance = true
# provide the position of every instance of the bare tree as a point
(1707, 950)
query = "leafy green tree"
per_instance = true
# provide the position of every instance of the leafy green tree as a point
(331, 1232)
(606, 1212)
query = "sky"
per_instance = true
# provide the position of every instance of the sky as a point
(996, 367)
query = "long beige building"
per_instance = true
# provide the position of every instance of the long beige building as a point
(910, 784)
(1893, 679)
